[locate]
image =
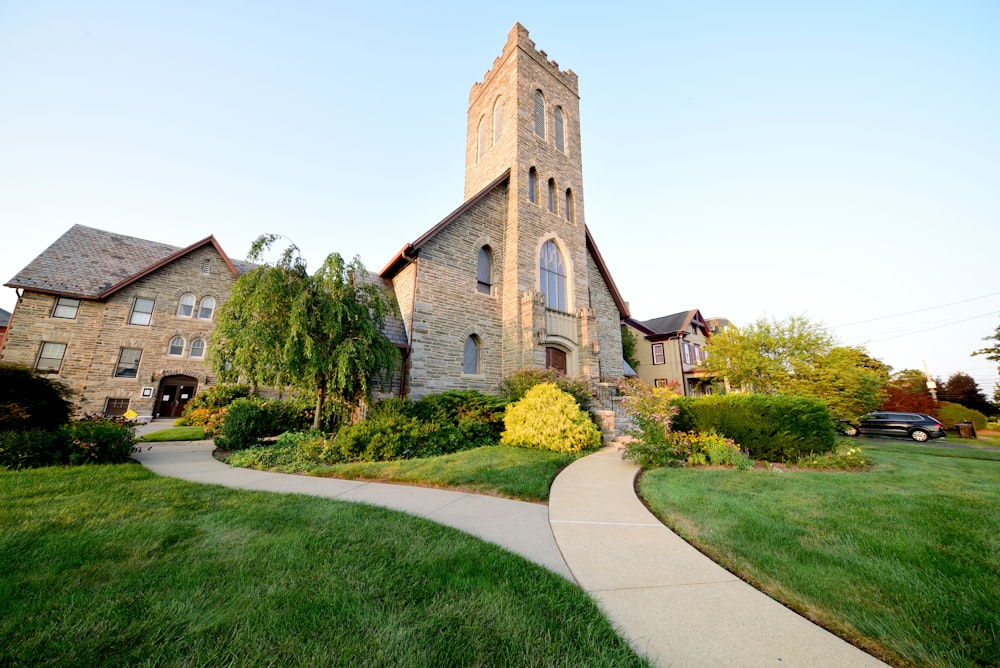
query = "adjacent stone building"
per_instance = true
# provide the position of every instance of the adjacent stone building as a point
(512, 279)
(124, 322)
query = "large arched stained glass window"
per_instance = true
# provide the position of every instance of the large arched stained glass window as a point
(552, 276)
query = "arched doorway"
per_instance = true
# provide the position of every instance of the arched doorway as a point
(175, 392)
(555, 359)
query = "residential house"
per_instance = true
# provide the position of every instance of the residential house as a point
(671, 349)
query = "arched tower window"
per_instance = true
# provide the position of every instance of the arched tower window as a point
(551, 204)
(484, 271)
(570, 207)
(176, 346)
(481, 140)
(533, 185)
(186, 305)
(470, 360)
(560, 139)
(552, 276)
(539, 114)
(497, 120)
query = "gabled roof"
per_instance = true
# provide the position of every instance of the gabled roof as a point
(4, 317)
(670, 325)
(408, 252)
(87, 263)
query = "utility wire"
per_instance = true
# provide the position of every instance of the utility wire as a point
(921, 331)
(929, 308)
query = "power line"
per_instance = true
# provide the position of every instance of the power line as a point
(929, 308)
(928, 329)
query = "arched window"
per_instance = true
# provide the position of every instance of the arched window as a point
(570, 213)
(470, 361)
(197, 348)
(539, 114)
(552, 276)
(484, 271)
(481, 141)
(533, 185)
(186, 306)
(206, 309)
(552, 196)
(176, 346)
(497, 121)
(560, 139)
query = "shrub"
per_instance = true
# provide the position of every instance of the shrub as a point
(391, 432)
(548, 418)
(771, 428)
(844, 458)
(652, 410)
(209, 419)
(101, 440)
(218, 396)
(32, 448)
(950, 414)
(515, 386)
(245, 424)
(478, 416)
(29, 400)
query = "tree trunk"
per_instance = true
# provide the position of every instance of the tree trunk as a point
(320, 397)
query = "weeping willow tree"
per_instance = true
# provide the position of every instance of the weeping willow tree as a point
(321, 332)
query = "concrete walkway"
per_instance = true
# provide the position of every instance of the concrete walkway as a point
(672, 604)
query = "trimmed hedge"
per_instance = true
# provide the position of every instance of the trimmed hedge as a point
(90, 440)
(951, 414)
(770, 428)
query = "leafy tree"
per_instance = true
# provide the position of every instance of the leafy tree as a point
(29, 400)
(321, 332)
(992, 353)
(850, 381)
(907, 391)
(629, 343)
(962, 388)
(763, 356)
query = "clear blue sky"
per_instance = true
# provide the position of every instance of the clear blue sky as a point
(837, 160)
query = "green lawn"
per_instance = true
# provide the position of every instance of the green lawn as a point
(111, 565)
(904, 560)
(520, 473)
(175, 434)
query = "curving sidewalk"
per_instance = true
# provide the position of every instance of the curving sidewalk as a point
(673, 604)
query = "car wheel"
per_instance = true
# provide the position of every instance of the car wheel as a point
(919, 435)
(850, 431)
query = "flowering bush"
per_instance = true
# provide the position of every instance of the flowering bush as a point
(844, 458)
(650, 408)
(210, 419)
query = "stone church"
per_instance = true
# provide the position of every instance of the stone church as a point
(511, 279)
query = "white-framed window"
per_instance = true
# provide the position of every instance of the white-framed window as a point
(539, 114)
(206, 309)
(484, 271)
(552, 276)
(470, 360)
(50, 357)
(197, 348)
(658, 356)
(185, 306)
(66, 308)
(560, 139)
(142, 312)
(686, 352)
(115, 407)
(497, 120)
(176, 347)
(128, 363)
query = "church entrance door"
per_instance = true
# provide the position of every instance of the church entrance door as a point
(175, 392)
(555, 359)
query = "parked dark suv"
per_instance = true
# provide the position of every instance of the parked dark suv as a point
(917, 426)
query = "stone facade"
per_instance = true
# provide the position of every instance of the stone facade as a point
(524, 198)
(105, 326)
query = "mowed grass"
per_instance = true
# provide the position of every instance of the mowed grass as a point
(111, 565)
(903, 560)
(175, 434)
(518, 473)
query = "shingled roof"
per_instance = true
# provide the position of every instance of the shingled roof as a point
(87, 263)
(670, 325)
